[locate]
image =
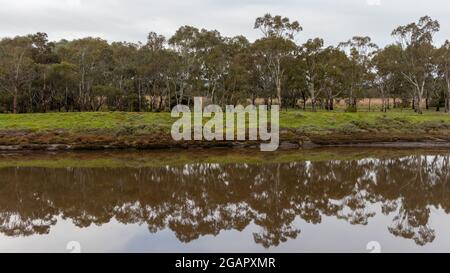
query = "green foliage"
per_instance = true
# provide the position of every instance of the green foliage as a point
(91, 74)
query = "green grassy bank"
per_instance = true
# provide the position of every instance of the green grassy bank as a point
(152, 130)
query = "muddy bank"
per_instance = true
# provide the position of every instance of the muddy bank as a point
(289, 139)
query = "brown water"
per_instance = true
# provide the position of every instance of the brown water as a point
(220, 201)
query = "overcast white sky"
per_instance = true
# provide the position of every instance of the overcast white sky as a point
(131, 20)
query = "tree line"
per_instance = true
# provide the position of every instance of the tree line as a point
(90, 74)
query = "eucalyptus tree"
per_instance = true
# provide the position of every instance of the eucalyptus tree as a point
(261, 78)
(63, 79)
(435, 91)
(359, 50)
(125, 83)
(213, 62)
(16, 67)
(442, 59)
(334, 63)
(42, 50)
(93, 59)
(236, 79)
(44, 55)
(183, 42)
(124, 68)
(312, 56)
(151, 72)
(296, 85)
(276, 46)
(148, 78)
(388, 66)
(416, 41)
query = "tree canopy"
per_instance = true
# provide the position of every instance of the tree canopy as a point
(91, 74)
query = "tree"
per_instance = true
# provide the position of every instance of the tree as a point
(38, 75)
(416, 40)
(237, 85)
(312, 57)
(359, 50)
(94, 62)
(333, 77)
(213, 61)
(44, 55)
(63, 79)
(442, 59)
(16, 66)
(388, 66)
(123, 75)
(276, 46)
(183, 42)
(296, 86)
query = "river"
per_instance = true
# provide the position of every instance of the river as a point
(316, 200)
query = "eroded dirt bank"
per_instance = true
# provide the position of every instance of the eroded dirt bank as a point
(289, 139)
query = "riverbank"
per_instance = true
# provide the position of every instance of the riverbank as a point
(118, 130)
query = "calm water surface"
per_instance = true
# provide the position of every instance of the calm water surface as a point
(327, 200)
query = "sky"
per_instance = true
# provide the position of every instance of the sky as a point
(132, 20)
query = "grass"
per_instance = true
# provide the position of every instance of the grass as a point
(319, 121)
(81, 121)
(324, 121)
(89, 130)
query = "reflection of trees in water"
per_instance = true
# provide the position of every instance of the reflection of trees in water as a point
(204, 199)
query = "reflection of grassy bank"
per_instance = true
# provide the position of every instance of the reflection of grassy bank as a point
(142, 159)
(152, 130)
